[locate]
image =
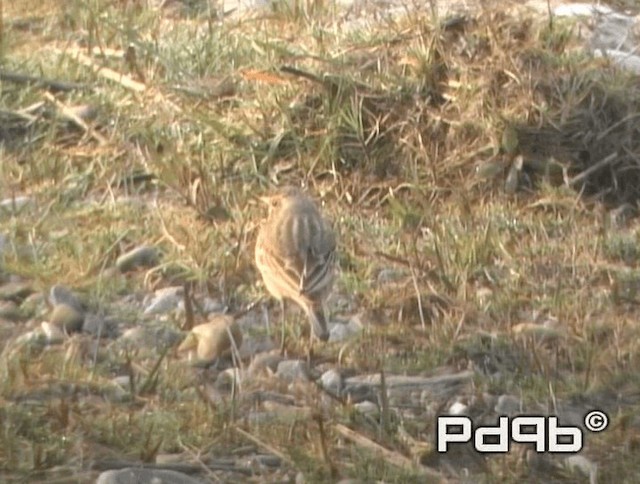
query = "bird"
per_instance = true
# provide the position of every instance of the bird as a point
(295, 253)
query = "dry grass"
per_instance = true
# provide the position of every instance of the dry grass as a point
(407, 133)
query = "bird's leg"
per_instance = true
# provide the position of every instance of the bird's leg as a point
(283, 308)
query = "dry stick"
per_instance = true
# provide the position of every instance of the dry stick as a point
(394, 458)
(110, 74)
(75, 119)
(264, 445)
(323, 445)
(593, 168)
(196, 457)
(110, 464)
(52, 84)
(27, 118)
(616, 125)
(414, 279)
(300, 73)
(166, 234)
(385, 410)
(188, 307)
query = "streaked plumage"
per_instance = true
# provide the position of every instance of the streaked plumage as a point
(295, 253)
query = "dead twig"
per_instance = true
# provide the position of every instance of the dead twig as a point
(592, 169)
(110, 464)
(75, 119)
(390, 456)
(264, 445)
(50, 84)
(110, 74)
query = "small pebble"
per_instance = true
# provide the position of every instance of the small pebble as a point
(292, 370)
(14, 205)
(578, 464)
(15, 291)
(9, 311)
(164, 300)
(367, 407)
(331, 380)
(265, 362)
(144, 256)
(458, 408)
(227, 379)
(342, 332)
(508, 405)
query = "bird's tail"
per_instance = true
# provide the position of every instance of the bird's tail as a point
(318, 323)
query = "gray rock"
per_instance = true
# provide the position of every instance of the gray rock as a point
(14, 205)
(438, 385)
(7, 331)
(34, 305)
(581, 10)
(292, 370)
(171, 459)
(15, 291)
(614, 32)
(144, 256)
(508, 405)
(256, 346)
(164, 300)
(342, 332)
(264, 460)
(458, 408)
(123, 381)
(331, 380)
(265, 362)
(208, 306)
(228, 379)
(404, 391)
(150, 337)
(390, 275)
(623, 59)
(136, 475)
(106, 327)
(9, 311)
(356, 393)
(578, 464)
(367, 407)
(260, 396)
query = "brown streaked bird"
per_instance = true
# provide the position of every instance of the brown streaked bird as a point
(295, 253)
